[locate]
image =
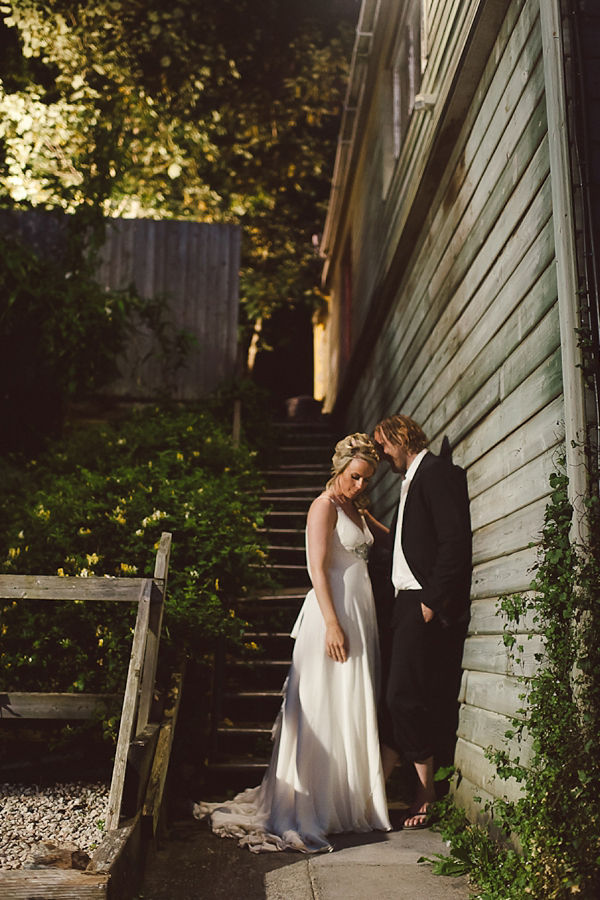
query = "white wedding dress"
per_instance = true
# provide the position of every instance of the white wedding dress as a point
(325, 774)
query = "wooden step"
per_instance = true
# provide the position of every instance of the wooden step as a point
(239, 764)
(289, 492)
(245, 729)
(299, 548)
(295, 531)
(282, 596)
(252, 695)
(262, 635)
(289, 498)
(260, 662)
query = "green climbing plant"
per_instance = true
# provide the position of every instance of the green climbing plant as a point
(552, 833)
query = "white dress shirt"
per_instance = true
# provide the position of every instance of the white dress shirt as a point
(402, 577)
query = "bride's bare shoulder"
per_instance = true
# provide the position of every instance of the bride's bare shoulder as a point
(323, 506)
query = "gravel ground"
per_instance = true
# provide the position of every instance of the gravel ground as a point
(62, 814)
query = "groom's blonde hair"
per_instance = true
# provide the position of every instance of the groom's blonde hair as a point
(403, 431)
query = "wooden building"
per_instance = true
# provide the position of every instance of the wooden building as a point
(459, 262)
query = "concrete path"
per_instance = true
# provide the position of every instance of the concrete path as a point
(196, 865)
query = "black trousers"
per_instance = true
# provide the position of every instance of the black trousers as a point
(422, 673)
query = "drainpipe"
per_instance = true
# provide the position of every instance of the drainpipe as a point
(566, 264)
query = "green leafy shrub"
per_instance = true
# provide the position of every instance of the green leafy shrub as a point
(96, 505)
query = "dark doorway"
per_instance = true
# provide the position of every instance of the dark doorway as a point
(287, 369)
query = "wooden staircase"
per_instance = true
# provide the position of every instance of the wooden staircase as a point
(247, 688)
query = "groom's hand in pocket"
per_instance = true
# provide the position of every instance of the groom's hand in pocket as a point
(428, 614)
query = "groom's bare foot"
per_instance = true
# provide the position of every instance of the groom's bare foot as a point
(419, 816)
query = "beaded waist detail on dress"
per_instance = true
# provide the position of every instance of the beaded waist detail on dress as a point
(362, 551)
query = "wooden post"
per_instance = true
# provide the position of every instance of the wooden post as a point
(157, 607)
(129, 705)
(566, 263)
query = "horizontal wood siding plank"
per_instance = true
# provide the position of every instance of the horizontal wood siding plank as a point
(474, 800)
(504, 575)
(537, 391)
(513, 532)
(540, 433)
(487, 728)
(487, 653)
(486, 618)
(527, 485)
(479, 779)
(502, 694)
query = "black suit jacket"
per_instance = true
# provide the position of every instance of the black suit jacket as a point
(436, 535)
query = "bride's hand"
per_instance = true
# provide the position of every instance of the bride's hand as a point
(336, 642)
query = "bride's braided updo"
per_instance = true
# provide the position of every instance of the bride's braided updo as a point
(353, 446)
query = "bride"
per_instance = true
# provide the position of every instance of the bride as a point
(325, 774)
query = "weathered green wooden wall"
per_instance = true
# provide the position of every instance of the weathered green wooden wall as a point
(471, 345)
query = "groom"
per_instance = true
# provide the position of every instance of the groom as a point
(431, 576)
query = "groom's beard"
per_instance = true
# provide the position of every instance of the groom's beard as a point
(396, 468)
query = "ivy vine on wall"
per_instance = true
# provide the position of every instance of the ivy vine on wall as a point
(552, 833)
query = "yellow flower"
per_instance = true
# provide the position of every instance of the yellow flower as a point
(118, 516)
(216, 584)
(61, 572)
(128, 569)
(14, 552)
(84, 531)
(43, 513)
(180, 456)
(92, 558)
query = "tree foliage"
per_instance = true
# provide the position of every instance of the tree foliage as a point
(219, 112)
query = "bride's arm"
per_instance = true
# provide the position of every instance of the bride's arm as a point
(322, 517)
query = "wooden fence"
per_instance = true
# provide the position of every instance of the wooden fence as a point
(195, 266)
